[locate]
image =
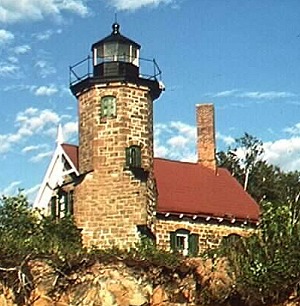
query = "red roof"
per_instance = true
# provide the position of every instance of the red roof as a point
(190, 188)
(72, 152)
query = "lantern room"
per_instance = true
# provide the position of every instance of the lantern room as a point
(116, 55)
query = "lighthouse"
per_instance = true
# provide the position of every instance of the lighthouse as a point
(115, 194)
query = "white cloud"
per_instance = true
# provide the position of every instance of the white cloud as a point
(46, 34)
(178, 141)
(46, 90)
(6, 37)
(137, 4)
(11, 189)
(33, 120)
(34, 148)
(268, 95)
(175, 140)
(39, 90)
(13, 59)
(293, 130)
(225, 93)
(39, 157)
(284, 152)
(70, 129)
(4, 144)
(228, 140)
(31, 192)
(257, 95)
(28, 123)
(14, 11)
(22, 49)
(8, 69)
(44, 68)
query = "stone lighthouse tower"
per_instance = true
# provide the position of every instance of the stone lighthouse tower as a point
(115, 196)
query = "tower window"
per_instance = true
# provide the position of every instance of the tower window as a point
(133, 157)
(184, 242)
(108, 107)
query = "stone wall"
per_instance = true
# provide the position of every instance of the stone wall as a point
(210, 234)
(112, 200)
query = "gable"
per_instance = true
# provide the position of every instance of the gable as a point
(63, 163)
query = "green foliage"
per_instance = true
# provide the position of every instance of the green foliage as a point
(25, 233)
(144, 251)
(19, 227)
(265, 264)
(147, 250)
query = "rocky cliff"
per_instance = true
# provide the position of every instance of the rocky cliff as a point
(119, 283)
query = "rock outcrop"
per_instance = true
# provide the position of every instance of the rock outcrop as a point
(118, 283)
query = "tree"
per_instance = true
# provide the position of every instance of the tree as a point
(245, 162)
(266, 264)
(26, 233)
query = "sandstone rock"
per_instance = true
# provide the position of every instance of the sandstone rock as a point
(159, 297)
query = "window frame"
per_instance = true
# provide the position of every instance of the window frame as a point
(133, 155)
(62, 204)
(191, 242)
(108, 107)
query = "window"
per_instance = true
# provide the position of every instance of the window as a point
(108, 107)
(184, 242)
(62, 204)
(133, 157)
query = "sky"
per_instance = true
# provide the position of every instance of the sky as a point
(241, 55)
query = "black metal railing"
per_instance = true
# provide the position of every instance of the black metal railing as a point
(84, 68)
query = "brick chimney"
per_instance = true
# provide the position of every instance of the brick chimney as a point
(206, 143)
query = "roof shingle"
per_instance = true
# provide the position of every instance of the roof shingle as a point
(190, 188)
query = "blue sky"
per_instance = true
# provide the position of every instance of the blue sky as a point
(244, 56)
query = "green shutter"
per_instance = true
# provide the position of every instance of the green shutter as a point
(71, 203)
(138, 158)
(193, 244)
(66, 202)
(128, 157)
(133, 157)
(53, 206)
(173, 241)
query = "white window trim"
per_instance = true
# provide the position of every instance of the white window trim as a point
(185, 250)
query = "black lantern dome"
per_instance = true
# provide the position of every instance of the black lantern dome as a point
(116, 55)
(116, 58)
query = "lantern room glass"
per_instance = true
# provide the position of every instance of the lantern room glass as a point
(116, 52)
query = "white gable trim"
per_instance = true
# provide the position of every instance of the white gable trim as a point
(54, 177)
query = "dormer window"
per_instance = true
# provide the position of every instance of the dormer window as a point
(108, 107)
(133, 157)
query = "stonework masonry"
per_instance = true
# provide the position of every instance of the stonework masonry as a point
(111, 201)
(206, 135)
(210, 235)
